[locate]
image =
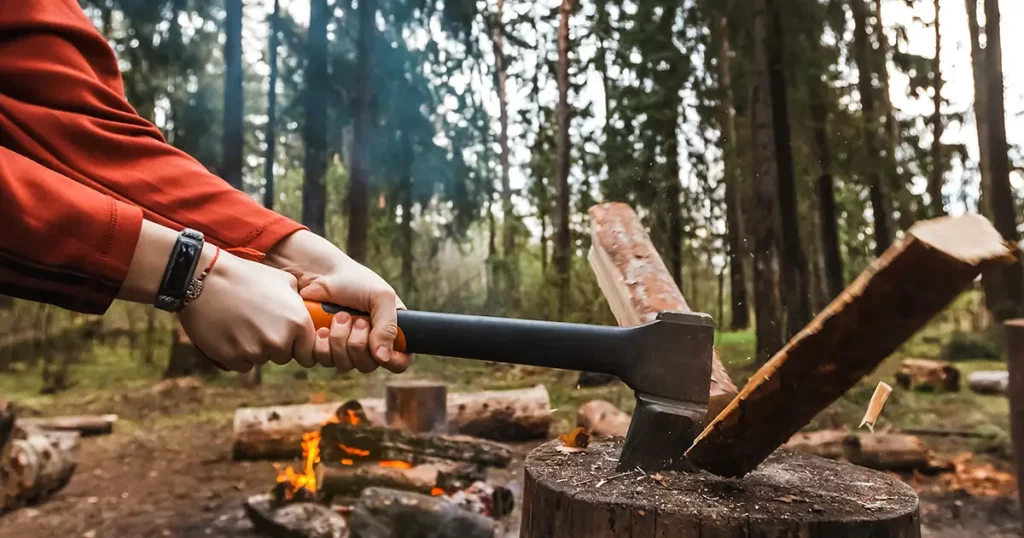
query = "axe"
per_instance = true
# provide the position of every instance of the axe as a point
(666, 362)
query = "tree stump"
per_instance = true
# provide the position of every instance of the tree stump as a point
(417, 406)
(791, 495)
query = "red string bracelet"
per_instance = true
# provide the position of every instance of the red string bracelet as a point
(213, 262)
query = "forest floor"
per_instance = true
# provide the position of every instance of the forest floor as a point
(167, 471)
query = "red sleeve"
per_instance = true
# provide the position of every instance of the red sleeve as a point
(62, 105)
(61, 242)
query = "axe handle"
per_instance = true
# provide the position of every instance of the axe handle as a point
(567, 346)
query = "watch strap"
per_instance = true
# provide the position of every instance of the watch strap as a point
(177, 281)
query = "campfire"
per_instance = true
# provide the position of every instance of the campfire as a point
(352, 466)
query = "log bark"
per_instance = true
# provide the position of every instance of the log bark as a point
(602, 419)
(889, 302)
(384, 513)
(636, 283)
(416, 406)
(793, 495)
(295, 520)
(381, 443)
(989, 381)
(505, 415)
(888, 452)
(917, 374)
(34, 466)
(1015, 367)
(86, 425)
(349, 481)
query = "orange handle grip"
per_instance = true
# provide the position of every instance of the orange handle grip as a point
(323, 313)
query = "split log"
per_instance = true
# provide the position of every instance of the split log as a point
(294, 520)
(416, 406)
(918, 374)
(86, 425)
(888, 303)
(792, 495)
(349, 481)
(504, 415)
(989, 381)
(384, 513)
(889, 452)
(361, 442)
(602, 418)
(34, 466)
(636, 283)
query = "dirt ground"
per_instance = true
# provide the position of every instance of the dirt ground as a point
(166, 471)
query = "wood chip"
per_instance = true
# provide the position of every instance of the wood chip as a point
(875, 406)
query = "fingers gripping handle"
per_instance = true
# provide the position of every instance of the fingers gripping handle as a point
(323, 314)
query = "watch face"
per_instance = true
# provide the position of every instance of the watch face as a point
(181, 267)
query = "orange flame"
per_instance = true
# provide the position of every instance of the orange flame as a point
(395, 464)
(307, 478)
(354, 451)
(346, 461)
(436, 492)
(353, 417)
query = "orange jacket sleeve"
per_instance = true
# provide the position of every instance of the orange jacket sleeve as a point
(61, 242)
(62, 104)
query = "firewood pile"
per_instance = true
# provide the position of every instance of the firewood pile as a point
(398, 474)
(37, 455)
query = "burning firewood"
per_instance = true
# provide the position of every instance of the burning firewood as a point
(387, 513)
(505, 415)
(348, 481)
(340, 441)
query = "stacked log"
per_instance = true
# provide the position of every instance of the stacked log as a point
(347, 482)
(358, 442)
(34, 463)
(384, 513)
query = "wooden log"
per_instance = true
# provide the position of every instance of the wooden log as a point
(602, 418)
(927, 374)
(416, 406)
(294, 520)
(888, 452)
(989, 381)
(792, 495)
(362, 442)
(821, 443)
(888, 303)
(349, 481)
(1015, 368)
(35, 466)
(86, 425)
(503, 415)
(7, 418)
(384, 513)
(636, 283)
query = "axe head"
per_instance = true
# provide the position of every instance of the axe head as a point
(671, 378)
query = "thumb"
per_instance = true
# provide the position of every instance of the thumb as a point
(314, 292)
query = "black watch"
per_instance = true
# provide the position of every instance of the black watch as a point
(178, 284)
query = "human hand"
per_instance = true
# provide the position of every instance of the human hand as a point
(327, 274)
(248, 314)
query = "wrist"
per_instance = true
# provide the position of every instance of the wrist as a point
(305, 255)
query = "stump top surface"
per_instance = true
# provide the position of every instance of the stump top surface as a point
(788, 485)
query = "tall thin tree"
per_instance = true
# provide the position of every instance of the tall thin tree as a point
(980, 105)
(271, 130)
(764, 214)
(358, 190)
(731, 171)
(562, 253)
(233, 96)
(1011, 277)
(938, 166)
(314, 192)
(508, 271)
(880, 208)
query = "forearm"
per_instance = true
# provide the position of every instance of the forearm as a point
(152, 252)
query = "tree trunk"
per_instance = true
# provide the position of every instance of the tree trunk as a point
(186, 359)
(314, 192)
(764, 215)
(795, 280)
(980, 110)
(828, 218)
(674, 191)
(733, 206)
(938, 164)
(234, 98)
(583, 496)
(271, 131)
(508, 238)
(1010, 290)
(407, 276)
(880, 209)
(562, 248)
(417, 406)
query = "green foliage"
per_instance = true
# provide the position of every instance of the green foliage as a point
(971, 346)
